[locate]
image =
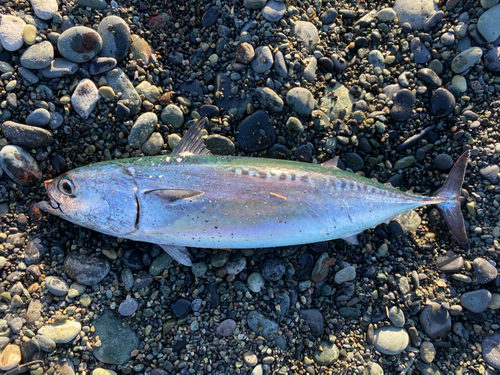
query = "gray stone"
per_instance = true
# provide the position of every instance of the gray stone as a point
(220, 145)
(44, 9)
(28, 75)
(46, 343)
(443, 162)
(11, 32)
(20, 166)
(466, 59)
(280, 65)
(300, 100)
(415, 12)
(269, 99)
(61, 333)
(337, 100)
(314, 320)
(397, 316)
(255, 282)
(491, 173)
(476, 301)
(427, 351)
(274, 10)
(117, 342)
(376, 59)
(56, 286)
(59, 67)
(310, 69)
(421, 54)
(101, 65)
(38, 56)
(115, 35)
(254, 4)
(488, 24)
(94, 4)
(172, 115)
(143, 127)
(128, 307)
(86, 270)
(328, 16)
(492, 59)
(39, 117)
(326, 354)
(391, 340)
(435, 321)
(307, 33)
(263, 60)
(450, 262)
(226, 327)
(403, 105)
(26, 136)
(442, 103)
(491, 350)
(153, 145)
(79, 44)
(119, 82)
(429, 77)
(386, 15)
(345, 274)
(261, 325)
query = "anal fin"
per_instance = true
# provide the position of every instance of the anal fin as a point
(179, 253)
(352, 238)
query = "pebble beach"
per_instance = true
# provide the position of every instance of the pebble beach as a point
(397, 90)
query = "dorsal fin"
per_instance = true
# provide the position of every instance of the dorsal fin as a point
(333, 163)
(192, 143)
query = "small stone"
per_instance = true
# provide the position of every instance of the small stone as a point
(255, 282)
(256, 132)
(94, 4)
(386, 15)
(150, 92)
(491, 350)
(181, 308)
(61, 333)
(442, 103)
(391, 340)
(85, 98)
(220, 259)
(10, 357)
(46, 343)
(29, 34)
(421, 54)
(427, 351)
(476, 301)
(115, 35)
(101, 65)
(429, 77)
(172, 115)
(44, 9)
(254, 4)
(443, 162)
(245, 53)
(403, 105)
(450, 262)
(273, 269)
(128, 307)
(153, 145)
(86, 270)
(139, 49)
(261, 325)
(39, 117)
(263, 60)
(56, 286)
(274, 10)
(59, 67)
(435, 320)
(319, 273)
(143, 127)
(226, 327)
(414, 12)
(11, 32)
(79, 44)
(328, 16)
(119, 82)
(491, 172)
(300, 100)
(307, 32)
(19, 165)
(269, 99)
(250, 358)
(466, 59)
(38, 56)
(210, 17)
(397, 316)
(327, 354)
(220, 145)
(484, 271)
(313, 318)
(492, 59)
(345, 274)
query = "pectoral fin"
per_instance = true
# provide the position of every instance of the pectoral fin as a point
(192, 143)
(352, 239)
(179, 253)
(172, 195)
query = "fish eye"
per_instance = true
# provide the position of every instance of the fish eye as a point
(66, 186)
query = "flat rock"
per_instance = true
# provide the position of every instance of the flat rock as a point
(115, 35)
(256, 132)
(484, 271)
(421, 53)
(254, 4)
(10, 357)
(435, 321)
(26, 136)
(101, 65)
(491, 350)
(273, 269)
(19, 165)
(403, 105)
(450, 262)
(466, 59)
(274, 10)
(39, 117)
(117, 342)
(139, 49)
(429, 77)
(261, 325)
(211, 16)
(491, 173)
(300, 100)
(61, 333)
(143, 127)
(38, 56)
(263, 60)
(94, 4)
(307, 33)
(85, 98)
(476, 301)
(415, 12)
(226, 327)
(86, 270)
(44, 9)
(328, 16)
(391, 340)
(326, 354)
(220, 145)
(488, 24)
(11, 32)
(79, 44)
(345, 274)
(119, 82)
(337, 101)
(269, 99)
(313, 319)
(492, 59)
(128, 307)
(56, 286)
(59, 67)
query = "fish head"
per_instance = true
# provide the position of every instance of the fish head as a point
(101, 198)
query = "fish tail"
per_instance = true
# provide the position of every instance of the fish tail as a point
(450, 192)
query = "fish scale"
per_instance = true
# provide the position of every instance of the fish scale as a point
(202, 200)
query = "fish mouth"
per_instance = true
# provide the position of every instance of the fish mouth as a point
(51, 206)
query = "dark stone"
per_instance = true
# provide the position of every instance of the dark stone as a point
(306, 264)
(132, 259)
(414, 139)
(328, 16)
(443, 162)
(122, 111)
(229, 101)
(273, 269)
(210, 17)
(354, 161)
(86, 270)
(429, 77)
(209, 110)
(34, 251)
(278, 151)
(403, 105)
(450, 262)
(442, 103)
(181, 308)
(350, 312)
(215, 296)
(339, 62)
(421, 54)
(435, 321)
(395, 228)
(303, 153)
(256, 132)
(313, 318)
(326, 64)
(30, 351)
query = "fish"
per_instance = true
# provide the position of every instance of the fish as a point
(191, 198)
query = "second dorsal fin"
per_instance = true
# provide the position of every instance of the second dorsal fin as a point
(192, 143)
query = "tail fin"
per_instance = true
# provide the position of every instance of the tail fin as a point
(450, 192)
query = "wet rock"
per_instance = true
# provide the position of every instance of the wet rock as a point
(85, 98)
(115, 35)
(19, 165)
(261, 325)
(273, 269)
(143, 127)
(226, 327)
(26, 136)
(128, 307)
(466, 59)
(79, 44)
(256, 132)
(326, 354)
(117, 342)
(85, 270)
(306, 32)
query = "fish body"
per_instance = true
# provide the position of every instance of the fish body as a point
(233, 202)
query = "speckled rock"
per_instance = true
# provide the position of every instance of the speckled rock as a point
(11, 32)
(26, 136)
(86, 270)
(85, 97)
(44, 9)
(115, 35)
(61, 333)
(488, 24)
(466, 59)
(38, 56)
(143, 127)
(19, 165)
(300, 100)
(119, 82)
(391, 340)
(79, 44)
